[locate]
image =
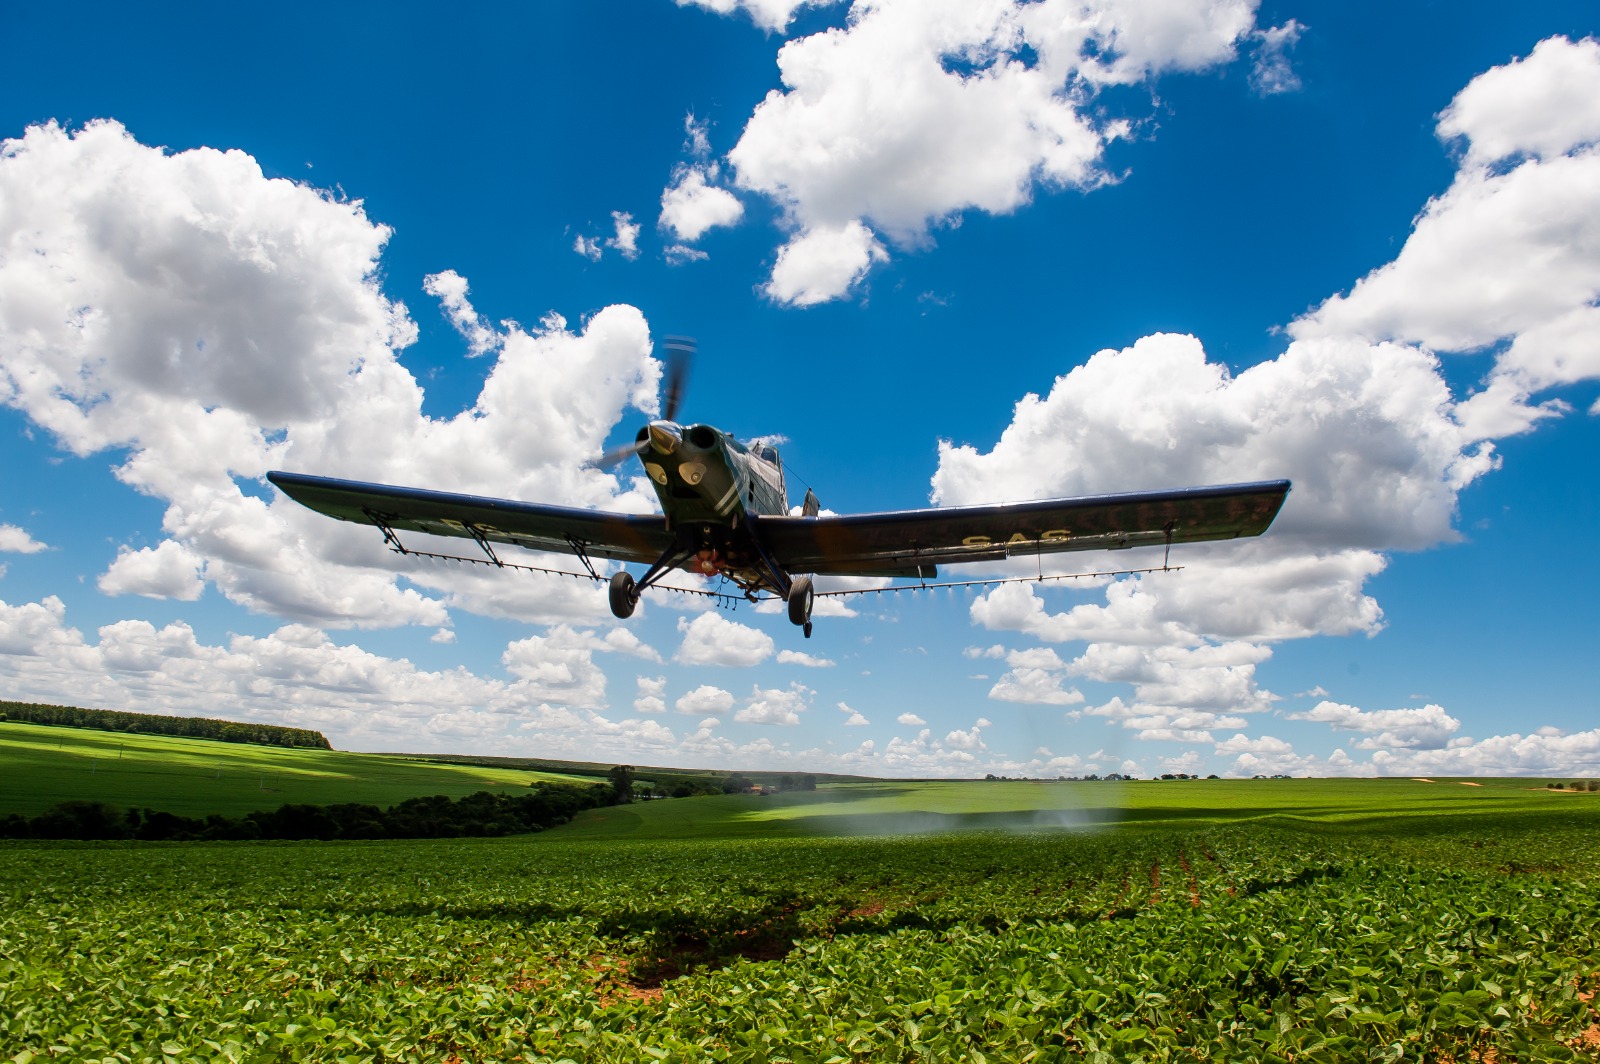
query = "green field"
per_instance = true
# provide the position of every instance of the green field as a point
(1271, 920)
(41, 766)
(920, 808)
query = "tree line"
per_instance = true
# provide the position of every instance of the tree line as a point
(228, 731)
(437, 816)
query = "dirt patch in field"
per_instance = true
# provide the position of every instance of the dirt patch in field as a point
(1468, 783)
(1419, 779)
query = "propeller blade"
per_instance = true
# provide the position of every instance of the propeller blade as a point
(680, 352)
(618, 454)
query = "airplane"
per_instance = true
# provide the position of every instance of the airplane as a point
(725, 512)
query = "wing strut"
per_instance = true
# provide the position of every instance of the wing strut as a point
(389, 536)
(477, 534)
(581, 549)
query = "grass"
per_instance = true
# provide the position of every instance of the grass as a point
(194, 777)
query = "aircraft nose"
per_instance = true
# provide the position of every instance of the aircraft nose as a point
(665, 436)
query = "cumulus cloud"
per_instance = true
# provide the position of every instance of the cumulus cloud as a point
(771, 15)
(298, 676)
(692, 205)
(14, 540)
(910, 720)
(919, 110)
(703, 701)
(256, 347)
(1509, 254)
(626, 239)
(1539, 754)
(710, 639)
(810, 661)
(168, 570)
(822, 263)
(780, 706)
(1427, 728)
(652, 695)
(853, 719)
(450, 289)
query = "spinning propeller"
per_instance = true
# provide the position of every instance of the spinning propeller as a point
(680, 352)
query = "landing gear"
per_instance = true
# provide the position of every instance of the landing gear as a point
(624, 595)
(801, 596)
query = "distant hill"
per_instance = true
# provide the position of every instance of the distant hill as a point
(43, 766)
(659, 774)
(117, 720)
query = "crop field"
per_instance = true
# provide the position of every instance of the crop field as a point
(1207, 920)
(41, 766)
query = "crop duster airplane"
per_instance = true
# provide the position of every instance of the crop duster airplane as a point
(725, 512)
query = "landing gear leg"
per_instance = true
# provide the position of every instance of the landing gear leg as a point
(807, 629)
(625, 591)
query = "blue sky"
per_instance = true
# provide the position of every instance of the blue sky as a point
(1355, 247)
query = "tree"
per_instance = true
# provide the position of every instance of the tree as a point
(622, 784)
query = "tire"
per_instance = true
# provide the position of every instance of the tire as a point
(801, 596)
(623, 596)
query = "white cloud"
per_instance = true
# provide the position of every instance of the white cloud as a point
(1539, 754)
(626, 240)
(652, 695)
(1545, 105)
(853, 718)
(691, 205)
(771, 15)
(910, 720)
(678, 254)
(969, 740)
(781, 706)
(1577, 754)
(450, 288)
(299, 677)
(1039, 686)
(796, 657)
(257, 347)
(168, 570)
(1272, 73)
(823, 263)
(1511, 251)
(443, 636)
(712, 640)
(919, 110)
(14, 540)
(589, 247)
(557, 668)
(705, 700)
(1427, 728)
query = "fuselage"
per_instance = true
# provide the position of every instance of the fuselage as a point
(708, 483)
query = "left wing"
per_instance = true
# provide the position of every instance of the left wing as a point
(627, 537)
(913, 542)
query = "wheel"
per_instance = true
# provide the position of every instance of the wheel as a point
(623, 596)
(807, 629)
(801, 595)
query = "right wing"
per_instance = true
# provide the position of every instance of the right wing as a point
(627, 537)
(913, 542)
